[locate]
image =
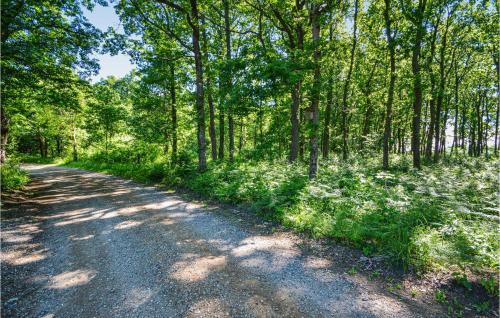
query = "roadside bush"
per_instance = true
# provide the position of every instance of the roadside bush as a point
(12, 176)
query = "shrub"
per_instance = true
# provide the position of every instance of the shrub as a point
(12, 176)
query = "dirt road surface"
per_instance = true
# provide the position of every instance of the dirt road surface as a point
(85, 244)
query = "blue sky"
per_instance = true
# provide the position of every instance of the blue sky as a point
(118, 65)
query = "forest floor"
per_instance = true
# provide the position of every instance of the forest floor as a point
(83, 244)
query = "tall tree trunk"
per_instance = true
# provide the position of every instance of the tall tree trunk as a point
(369, 107)
(345, 110)
(200, 103)
(325, 139)
(496, 61)
(478, 126)
(240, 137)
(294, 121)
(442, 147)
(221, 133)
(229, 80)
(442, 83)
(432, 102)
(231, 136)
(417, 84)
(221, 154)
(485, 130)
(496, 146)
(173, 114)
(315, 94)
(462, 130)
(210, 100)
(390, 94)
(432, 126)
(454, 146)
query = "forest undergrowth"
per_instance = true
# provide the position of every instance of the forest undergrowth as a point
(443, 216)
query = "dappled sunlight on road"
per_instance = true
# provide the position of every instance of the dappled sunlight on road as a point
(127, 225)
(71, 279)
(197, 268)
(209, 307)
(24, 254)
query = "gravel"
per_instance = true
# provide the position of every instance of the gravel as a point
(85, 244)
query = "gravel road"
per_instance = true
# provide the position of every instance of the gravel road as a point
(86, 244)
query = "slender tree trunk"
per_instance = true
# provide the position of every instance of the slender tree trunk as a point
(173, 114)
(442, 83)
(211, 107)
(229, 81)
(478, 126)
(417, 84)
(231, 137)
(432, 102)
(315, 94)
(443, 128)
(454, 146)
(221, 133)
(390, 94)
(462, 130)
(496, 146)
(294, 121)
(496, 61)
(432, 126)
(485, 133)
(240, 139)
(325, 140)
(200, 103)
(369, 107)
(345, 110)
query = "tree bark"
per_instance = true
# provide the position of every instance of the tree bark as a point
(325, 140)
(200, 103)
(454, 146)
(173, 105)
(390, 94)
(442, 83)
(294, 121)
(417, 84)
(432, 102)
(315, 94)
(229, 81)
(208, 83)
(345, 110)
(369, 107)
(496, 61)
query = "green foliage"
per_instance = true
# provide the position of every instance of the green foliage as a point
(490, 284)
(440, 296)
(482, 308)
(13, 177)
(461, 279)
(409, 217)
